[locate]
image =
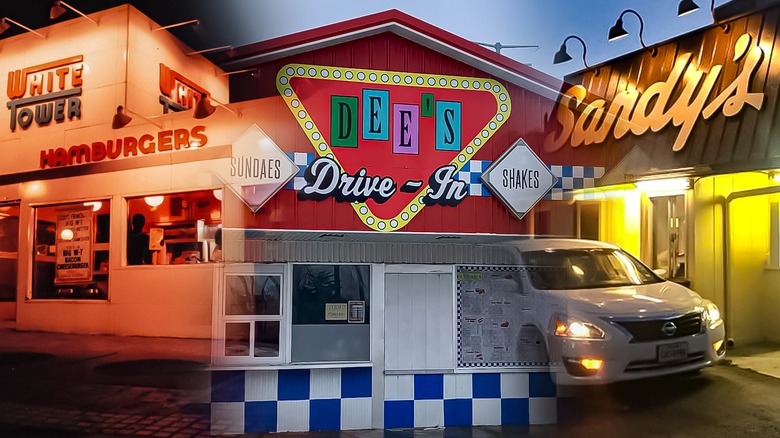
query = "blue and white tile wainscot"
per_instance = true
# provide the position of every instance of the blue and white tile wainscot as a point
(299, 400)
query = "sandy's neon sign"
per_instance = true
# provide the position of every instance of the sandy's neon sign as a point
(390, 143)
(635, 112)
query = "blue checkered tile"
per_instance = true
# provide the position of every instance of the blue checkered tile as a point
(569, 177)
(302, 160)
(258, 401)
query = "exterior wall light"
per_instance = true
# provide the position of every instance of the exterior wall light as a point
(58, 8)
(618, 31)
(563, 56)
(4, 26)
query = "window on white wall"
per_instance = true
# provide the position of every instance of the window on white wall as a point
(253, 315)
(330, 313)
(293, 313)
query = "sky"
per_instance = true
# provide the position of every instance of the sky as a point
(545, 23)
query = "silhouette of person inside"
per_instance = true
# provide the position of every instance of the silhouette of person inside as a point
(138, 252)
(216, 255)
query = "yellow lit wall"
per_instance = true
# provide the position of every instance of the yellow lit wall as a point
(619, 221)
(750, 299)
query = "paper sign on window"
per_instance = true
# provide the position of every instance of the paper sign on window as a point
(73, 246)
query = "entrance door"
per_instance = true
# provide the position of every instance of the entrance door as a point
(418, 321)
(9, 254)
(669, 236)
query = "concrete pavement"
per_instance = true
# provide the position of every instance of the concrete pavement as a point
(90, 385)
(65, 385)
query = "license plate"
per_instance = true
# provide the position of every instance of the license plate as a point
(673, 352)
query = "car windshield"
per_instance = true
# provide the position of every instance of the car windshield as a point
(584, 268)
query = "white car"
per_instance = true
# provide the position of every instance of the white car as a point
(606, 317)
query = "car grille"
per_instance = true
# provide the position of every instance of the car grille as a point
(653, 365)
(653, 330)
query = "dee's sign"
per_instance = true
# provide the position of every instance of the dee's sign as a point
(45, 93)
(390, 143)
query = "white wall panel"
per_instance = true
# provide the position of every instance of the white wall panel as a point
(418, 321)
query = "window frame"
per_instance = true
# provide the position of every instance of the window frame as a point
(254, 269)
(107, 202)
(285, 270)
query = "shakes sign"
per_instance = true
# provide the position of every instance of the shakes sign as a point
(687, 95)
(390, 143)
(45, 93)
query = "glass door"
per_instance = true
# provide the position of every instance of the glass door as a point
(669, 236)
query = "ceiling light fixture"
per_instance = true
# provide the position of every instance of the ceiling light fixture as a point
(618, 31)
(57, 10)
(183, 23)
(154, 201)
(4, 26)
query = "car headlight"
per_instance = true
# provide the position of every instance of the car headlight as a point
(573, 328)
(712, 312)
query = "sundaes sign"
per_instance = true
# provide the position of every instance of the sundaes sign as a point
(390, 143)
(681, 99)
(45, 93)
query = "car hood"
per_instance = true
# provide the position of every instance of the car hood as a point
(648, 299)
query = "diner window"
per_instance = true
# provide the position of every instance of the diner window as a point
(330, 313)
(294, 313)
(253, 314)
(71, 251)
(174, 228)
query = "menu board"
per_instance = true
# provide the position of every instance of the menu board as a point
(494, 324)
(73, 259)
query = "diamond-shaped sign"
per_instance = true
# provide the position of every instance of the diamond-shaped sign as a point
(257, 168)
(519, 178)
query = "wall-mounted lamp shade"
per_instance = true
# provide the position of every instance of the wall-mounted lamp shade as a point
(203, 108)
(120, 118)
(617, 31)
(218, 194)
(561, 55)
(686, 7)
(4, 26)
(58, 8)
(154, 201)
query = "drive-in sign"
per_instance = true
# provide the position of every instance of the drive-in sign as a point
(519, 178)
(390, 143)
